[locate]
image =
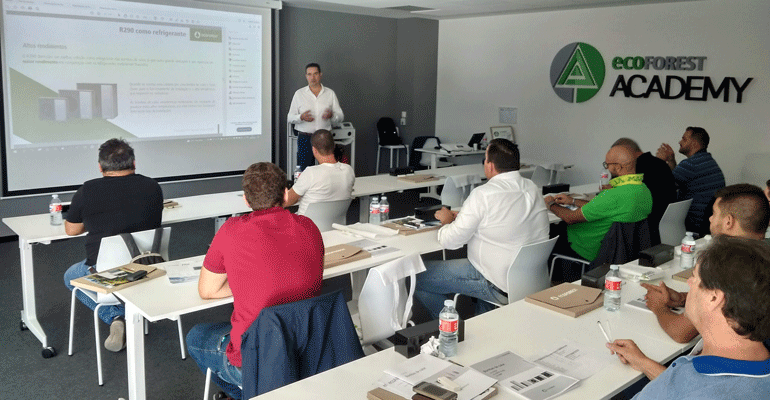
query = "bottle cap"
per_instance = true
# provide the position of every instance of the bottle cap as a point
(383, 197)
(614, 266)
(449, 303)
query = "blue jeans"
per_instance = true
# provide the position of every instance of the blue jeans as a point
(443, 278)
(207, 345)
(106, 313)
(305, 156)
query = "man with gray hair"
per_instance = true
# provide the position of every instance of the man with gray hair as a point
(658, 178)
(121, 201)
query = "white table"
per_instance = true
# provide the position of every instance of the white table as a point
(525, 329)
(436, 153)
(33, 229)
(158, 299)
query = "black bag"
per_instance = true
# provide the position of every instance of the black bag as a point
(148, 257)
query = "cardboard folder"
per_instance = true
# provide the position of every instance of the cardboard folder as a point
(418, 178)
(568, 299)
(342, 254)
(683, 276)
(90, 282)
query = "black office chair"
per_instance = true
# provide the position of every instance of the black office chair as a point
(621, 244)
(389, 139)
(415, 157)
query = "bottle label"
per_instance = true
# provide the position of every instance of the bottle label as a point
(54, 208)
(612, 284)
(374, 210)
(448, 326)
(384, 209)
(688, 248)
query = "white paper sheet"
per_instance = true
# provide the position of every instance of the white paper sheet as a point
(183, 271)
(524, 378)
(572, 359)
(426, 368)
(374, 248)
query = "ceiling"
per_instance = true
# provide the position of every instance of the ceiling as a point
(444, 9)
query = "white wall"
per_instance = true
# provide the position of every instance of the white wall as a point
(487, 62)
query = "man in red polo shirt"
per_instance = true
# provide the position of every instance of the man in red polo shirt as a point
(262, 259)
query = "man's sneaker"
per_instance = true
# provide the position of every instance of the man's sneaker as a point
(117, 339)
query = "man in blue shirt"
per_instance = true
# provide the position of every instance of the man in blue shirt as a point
(697, 177)
(728, 302)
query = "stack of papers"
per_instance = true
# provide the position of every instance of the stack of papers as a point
(183, 271)
(523, 378)
(370, 231)
(426, 368)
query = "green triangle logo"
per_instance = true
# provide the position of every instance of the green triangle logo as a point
(577, 74)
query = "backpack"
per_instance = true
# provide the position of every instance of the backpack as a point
(148, 257)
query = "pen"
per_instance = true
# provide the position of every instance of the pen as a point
(604, 332)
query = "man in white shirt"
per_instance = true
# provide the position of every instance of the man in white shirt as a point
(313, 107)
(328, 181)
(496, 220)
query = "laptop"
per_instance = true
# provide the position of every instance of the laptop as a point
(476, 139)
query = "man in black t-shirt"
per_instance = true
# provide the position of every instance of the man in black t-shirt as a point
(119, 202)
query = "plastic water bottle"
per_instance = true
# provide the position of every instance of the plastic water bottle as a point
(688, 251)
(374, 211)
(384, 209)
(612, 288)
(448, 324)
(604, 178)
(54, 208)
(297, 172)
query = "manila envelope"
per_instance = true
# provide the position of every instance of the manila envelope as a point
(684, 275)
(568, 299)
(342, 254)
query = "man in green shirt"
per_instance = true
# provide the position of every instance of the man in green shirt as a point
(627, 200)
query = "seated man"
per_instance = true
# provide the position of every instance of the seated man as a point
(657, 177)
(121, 201)
(328, 181)
(267, 257)
(628, 200)
(728, 302)
(697, 177)
(496, 219)
(741, 211)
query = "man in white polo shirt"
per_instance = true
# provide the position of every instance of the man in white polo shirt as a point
(328, 181)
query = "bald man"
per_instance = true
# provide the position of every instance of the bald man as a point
(627, 200)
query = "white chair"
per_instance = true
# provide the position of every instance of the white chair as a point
(671, 225)
(547, 175)
(384, 305)
(528, 272)
(392, 148)
(325, 213)
(114, 253)
(432, 143)
(457, 188)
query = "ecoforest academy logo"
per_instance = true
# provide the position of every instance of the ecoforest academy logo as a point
(577, 72)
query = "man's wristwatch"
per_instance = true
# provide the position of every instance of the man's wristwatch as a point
(548, 206)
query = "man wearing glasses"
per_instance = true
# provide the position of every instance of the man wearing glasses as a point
(627, 200)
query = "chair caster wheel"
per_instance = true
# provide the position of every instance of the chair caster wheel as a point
(22, 326)
(49, 352)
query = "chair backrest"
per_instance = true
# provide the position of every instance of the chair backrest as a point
(415, 157)
(114, 253)
(671, 225)
(293, 341)
(457, 188)
(622, 243)
(326, 213)
(388, 132)
(529, 271)
(541, 176)
(384, 304)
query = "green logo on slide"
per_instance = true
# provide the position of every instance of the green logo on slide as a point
(577, 72)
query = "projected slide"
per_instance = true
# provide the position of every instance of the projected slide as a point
(80, 74)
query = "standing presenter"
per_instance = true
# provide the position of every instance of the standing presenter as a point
(313, 107)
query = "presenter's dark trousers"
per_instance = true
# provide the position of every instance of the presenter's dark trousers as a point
(304, 150)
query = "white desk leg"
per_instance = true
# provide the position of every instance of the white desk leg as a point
(433, 161)
(29, 312)
(432, 190)
(135, 353)
(363, 209)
